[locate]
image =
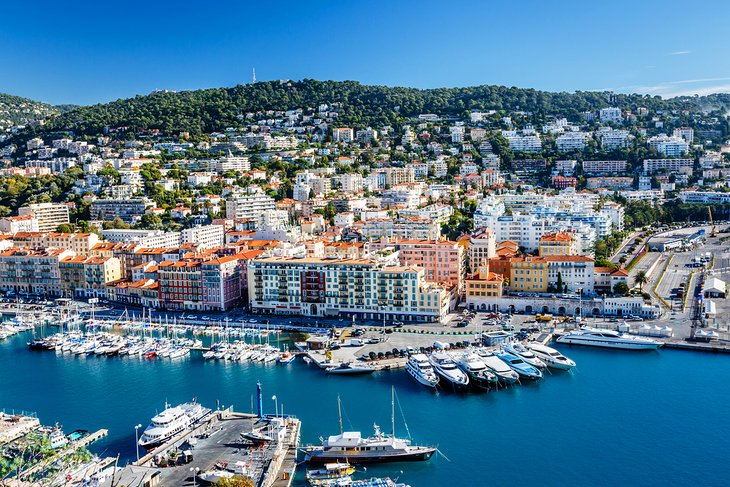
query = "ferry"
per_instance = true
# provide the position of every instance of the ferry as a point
(608, 339)
(170, 422)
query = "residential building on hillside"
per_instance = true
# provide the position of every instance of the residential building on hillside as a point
(128, 210)
(528, 275)
(48, 215)
(87, 277)
(558, 243)
(248, 206)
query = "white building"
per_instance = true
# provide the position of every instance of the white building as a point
(610, 114)
(351, 182)
(205, 236)
(248, 206)
(571, 141)
(343, 134)
(669, 146)
(48, 215)
(652, 166)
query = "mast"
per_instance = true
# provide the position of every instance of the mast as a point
(392, 410)
(339, 412)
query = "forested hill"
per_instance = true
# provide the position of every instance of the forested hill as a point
(209, 110)
(15, 110)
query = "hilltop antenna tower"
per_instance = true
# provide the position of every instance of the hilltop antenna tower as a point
(253, 78)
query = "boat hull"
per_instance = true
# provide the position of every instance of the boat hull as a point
(322, 457)
(422, 380)
(626, 345)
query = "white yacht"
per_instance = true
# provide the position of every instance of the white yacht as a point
(420, 369)
(478, 372)
(503, 371)
(446, 368)
(608, 339)
(516, 348)
(170, 422)
(551, 357)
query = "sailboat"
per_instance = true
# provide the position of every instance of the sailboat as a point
(351, 447)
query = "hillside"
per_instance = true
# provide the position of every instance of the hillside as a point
(207, 110)
(15, 110)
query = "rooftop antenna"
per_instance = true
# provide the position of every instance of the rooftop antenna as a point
(253, 78)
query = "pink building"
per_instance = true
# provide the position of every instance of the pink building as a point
(443, 260)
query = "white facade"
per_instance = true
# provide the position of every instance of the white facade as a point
(610, 114)
(48, 215)
(206, 236)
(248, 206)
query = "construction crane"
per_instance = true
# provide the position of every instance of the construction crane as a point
(713, 232)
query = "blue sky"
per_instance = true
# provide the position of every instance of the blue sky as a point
(87, 52)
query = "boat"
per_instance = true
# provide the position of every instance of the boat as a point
(171, 422)
(351, 447)
(257, 436)
(504, 372)
(348, 368)
(222, 471)
(57, 439)
(377, 482)
(608, 339)
(516, 348)
(287, 358)
(446, 368)
(520, 366)
(421, 369)
(332, 474)
(551, 357)
(479, 374)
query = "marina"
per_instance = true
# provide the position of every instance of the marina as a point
(227, 385)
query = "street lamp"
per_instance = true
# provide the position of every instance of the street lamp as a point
(276, 406)
(195, 475)
(136, 440)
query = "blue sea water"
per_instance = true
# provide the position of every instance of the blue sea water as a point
(620, 418)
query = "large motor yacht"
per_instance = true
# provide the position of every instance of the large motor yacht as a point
(170, 422)
(608, 339)
(446, 368)
(551, 357)
(420, 369)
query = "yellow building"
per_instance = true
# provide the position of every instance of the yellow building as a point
(483, 284)
(558, 243)
(528, 274)
(83, 276)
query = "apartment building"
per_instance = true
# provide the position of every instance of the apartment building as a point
(129, 210)
(482, 246)
(80, 243)
(528, 275)
(571, 141)
(575, 272)
(204, 236)
(444, 261)
(399, 175)
(558, 243)
(482, 287)
(342, 134)
(362, 288)
(181, 285)
(524, 142)
(48, 215)
(145, 238)
(32, 271)
(669, 146)
(604, 167)
(88, 277)
(247, 207)
(652, 166)
(402, 228)
(610, 114)
(222, 283)
(16, 224)
(231, 163)
(614, 139)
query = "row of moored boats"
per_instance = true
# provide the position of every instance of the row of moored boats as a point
(485, 368)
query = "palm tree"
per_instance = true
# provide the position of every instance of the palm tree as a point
(640, 279)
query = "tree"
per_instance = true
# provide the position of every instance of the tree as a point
(65, 228)
(640, 279)
(235, 481)
(150, 221)
(621, 288)
(559, 285)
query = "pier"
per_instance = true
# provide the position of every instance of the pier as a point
(218, 442)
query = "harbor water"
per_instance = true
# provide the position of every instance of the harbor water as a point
(629, 418)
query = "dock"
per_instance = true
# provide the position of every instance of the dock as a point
(218, 440)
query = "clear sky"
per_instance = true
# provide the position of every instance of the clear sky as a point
(85, 52)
